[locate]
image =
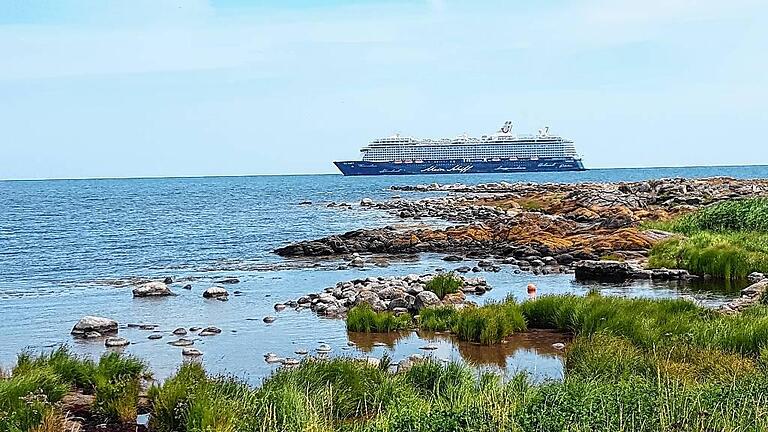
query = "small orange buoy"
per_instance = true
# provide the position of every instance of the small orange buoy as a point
(531, 288)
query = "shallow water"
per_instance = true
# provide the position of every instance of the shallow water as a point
(66, 246)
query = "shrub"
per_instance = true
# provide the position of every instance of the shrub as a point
(362, 318)
(444, 283)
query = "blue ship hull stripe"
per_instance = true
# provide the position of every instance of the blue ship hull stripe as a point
(352, 168)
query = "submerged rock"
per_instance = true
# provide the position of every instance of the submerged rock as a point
(96, 324)
(228, 280)
(181, 342)
(116, 342)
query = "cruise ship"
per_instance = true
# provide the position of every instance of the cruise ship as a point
(500, 152)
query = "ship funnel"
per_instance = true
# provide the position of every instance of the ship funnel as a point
(507, 127)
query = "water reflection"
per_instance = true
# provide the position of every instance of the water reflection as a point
(531, 352)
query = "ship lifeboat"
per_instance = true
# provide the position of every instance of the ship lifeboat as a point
(496, 160)
(419, 161)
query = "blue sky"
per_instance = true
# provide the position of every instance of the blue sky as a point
(94, 88)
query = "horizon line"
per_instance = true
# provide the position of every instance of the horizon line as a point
(203, 176)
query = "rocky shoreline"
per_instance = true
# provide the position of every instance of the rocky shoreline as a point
(541, 228)
(405, 294)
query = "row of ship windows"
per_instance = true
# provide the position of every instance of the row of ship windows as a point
(432, 155)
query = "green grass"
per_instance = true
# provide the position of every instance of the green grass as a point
(362, 318)
(750, 214)
(489, 324)
(29, 394)
(351, 396)
(440, 318)
(444, 284)
(726, 255)
(727, 240)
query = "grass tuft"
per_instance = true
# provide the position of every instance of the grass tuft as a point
(444, 284)
(362, 318)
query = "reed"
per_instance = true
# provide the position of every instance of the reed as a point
(362, 318)
(29, 396)
(489, 324)
(440, 318)
(348, 395)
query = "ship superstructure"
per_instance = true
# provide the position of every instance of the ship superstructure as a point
(498, 152)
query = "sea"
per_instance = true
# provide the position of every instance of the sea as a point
(70, 248)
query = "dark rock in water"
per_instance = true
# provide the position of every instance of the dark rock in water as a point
(194, 329)
(453, 258)
(94, 324)
(210, 331)
(464, 269)
(215, 292)
(618, 271)
(187, 287)
(92, 335)
(152, 289)
(269, 319)
(155, 336)
(168, 280)
(181, 331)
(609, 271)
(305, 203)
(147, 326)
(279, 307)
(228, 280)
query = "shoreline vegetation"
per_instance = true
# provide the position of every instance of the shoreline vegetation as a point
(633, 364)
(726, 240)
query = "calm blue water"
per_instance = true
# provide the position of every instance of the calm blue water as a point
(65, 243)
